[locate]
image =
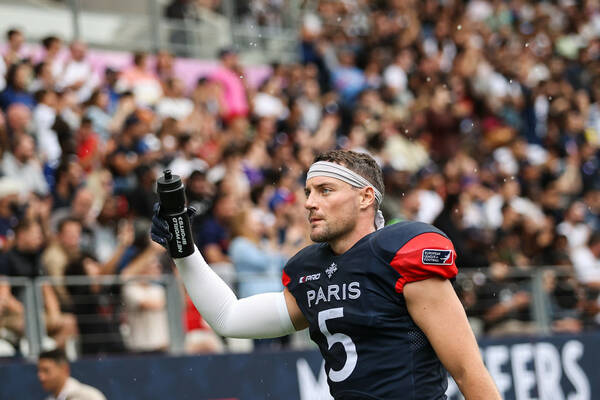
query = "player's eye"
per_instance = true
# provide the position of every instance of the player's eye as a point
(325, 190)
(307, 193)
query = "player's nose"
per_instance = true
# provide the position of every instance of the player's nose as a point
(310, 202)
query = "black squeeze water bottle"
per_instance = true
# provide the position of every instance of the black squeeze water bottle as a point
(171, 195)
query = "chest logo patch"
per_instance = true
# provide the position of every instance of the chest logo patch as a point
(308, 278)
(331, 269)
(437, 257)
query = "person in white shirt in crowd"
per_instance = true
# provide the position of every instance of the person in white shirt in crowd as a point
(574, 227)
(44, 116)
(23, 164)
(54, 373)
(268, 103)
(310, 105)
(145, 302)
(53, 47)
(43, 77)
(586, 260)
(510, 193)
(187, 160)
(174, 103)
(78, 73)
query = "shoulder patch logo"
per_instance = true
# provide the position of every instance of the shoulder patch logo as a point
(437, 257)
(331, 269)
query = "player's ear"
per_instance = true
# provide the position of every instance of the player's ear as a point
(367, 197)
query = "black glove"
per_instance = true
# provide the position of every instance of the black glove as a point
(160, 228)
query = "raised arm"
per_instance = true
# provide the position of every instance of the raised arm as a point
(260, 316)
(435, 308)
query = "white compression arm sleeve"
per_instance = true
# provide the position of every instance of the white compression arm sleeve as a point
(260, 316)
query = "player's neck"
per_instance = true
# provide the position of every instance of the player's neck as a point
(345, 243)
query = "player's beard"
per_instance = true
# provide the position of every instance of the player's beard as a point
(331, 231)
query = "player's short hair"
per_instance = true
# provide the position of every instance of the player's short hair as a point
(361, 163)
(56, 355)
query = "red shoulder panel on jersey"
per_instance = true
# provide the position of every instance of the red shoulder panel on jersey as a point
(285, 279)
(423, 257)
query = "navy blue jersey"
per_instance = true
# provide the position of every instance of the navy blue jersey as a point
(358, 317)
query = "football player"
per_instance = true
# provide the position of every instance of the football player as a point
(377, 300)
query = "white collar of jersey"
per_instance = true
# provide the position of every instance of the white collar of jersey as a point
(337, 171)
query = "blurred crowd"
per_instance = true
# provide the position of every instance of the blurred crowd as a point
(484, 116)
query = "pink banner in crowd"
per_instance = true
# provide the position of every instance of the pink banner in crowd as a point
(189, 70)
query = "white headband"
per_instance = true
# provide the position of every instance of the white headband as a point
(337, 171)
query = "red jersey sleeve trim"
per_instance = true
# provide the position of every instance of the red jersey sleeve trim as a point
(285, 279)
(423, 257)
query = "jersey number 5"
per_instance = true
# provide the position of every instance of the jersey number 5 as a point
(349, 347)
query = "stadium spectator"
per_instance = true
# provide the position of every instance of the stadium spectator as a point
(231, 78)
(10, 210)
(96, 307)
(17, 81)
(165, 66)
(17, 121)
(68, 176)
(43, 78)
(15, 51)
(212, 234)
(22, 164)
(505, 304)
(24, 260)
(143, 197)
(12, 317)
(53, 46)
(65, 248)
(98, 111)
(145, 303)
(573, 226)
(174, 104)
(186, 160)
(130, 151)
(78, 74)
(586, 260)
(44, 118)
(138, 78)
(55, 377)
(258, 265)
(87, 144)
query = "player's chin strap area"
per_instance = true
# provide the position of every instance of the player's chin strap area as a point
(337, 171)
(260, 316)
